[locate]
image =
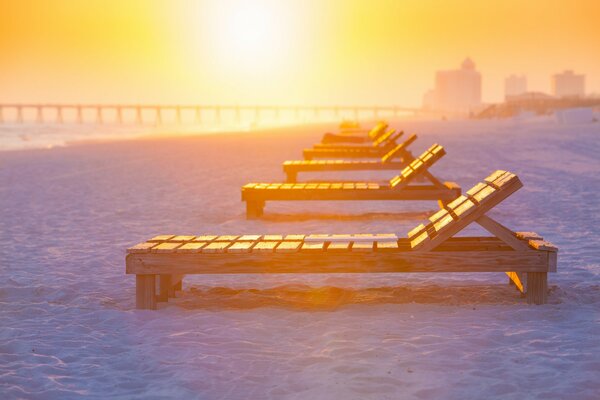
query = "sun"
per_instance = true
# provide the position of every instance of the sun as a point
(251, 34)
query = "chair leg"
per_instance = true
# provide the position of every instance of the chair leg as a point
(254, 209)
(292, 177)
(537, 287)
(176, 284)
(163, 288)
(145, 292)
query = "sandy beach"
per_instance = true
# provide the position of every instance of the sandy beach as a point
(69, 328)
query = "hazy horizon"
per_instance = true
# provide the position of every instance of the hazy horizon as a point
(284, 53)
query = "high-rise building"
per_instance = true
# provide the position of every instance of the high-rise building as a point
(568, 84)
(457, 90)
(515, 85)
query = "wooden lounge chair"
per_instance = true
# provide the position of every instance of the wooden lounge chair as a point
(386, 162)
(351, 136)
(386, 139)
(353, 151)
(524, 256)
(256, 194)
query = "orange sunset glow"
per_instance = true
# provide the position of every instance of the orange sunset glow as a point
(299, 199)
(284, 52)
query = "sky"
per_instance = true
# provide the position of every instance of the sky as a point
(284, 52)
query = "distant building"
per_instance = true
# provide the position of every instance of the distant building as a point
(568, 84)
(514, 86)
(456, 90)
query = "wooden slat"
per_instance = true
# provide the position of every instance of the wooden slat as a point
(165, 247)
(416, 231)
(288, 247)
(205, 238)
(339, 246)
(543, 245)
(313, 246)
(161, 238)
(362, 246)
(486, 203)
(294, 237)
(528, 236)
(216, 247)
(386, 246)
(192, 247)
(227, 238)
(265, 246)
(182, 238)
(240, 247)
(249, 238)
(357, 237)
(465, 208)
(141, 247)
(272, 237)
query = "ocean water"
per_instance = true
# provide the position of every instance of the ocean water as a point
(19, 136)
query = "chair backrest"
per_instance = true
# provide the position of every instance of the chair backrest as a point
(378, 130)
(384, 138)
(399, 149)
(464, 210)
(418, 166)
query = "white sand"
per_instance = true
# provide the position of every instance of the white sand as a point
(68, 328)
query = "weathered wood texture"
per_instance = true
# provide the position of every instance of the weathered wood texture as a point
(385, 140)
(353, 135)
(398, 188)
(525, 256)
(145, 291)
(399, 152)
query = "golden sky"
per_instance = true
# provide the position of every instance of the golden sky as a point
(284, 51)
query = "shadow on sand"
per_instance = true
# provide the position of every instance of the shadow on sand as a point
(303, 297)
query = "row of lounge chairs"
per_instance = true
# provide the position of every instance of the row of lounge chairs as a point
(413, 182)
(161, 262)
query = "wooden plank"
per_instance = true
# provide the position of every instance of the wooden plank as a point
(145, 292)
(514, 277)
(272, 237)
(181, 238)
(465, 208)
(501, 232)
(537, 288)
(161, 238)
(141, 247)
(216, 247)
(294, 237)
(313, 246)
(240, 247)
(227, 238)
(165, 247)
(249, 238)
(339, 246)
(268, 247)
(362, 246)
(205, 238)
(288, 247)
(543, 245)
(339, 262)
(416, 231)
(192, 247)
(356, 237)
(386, 246)
(528, 236)
(451, 229)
